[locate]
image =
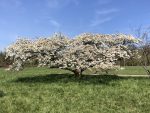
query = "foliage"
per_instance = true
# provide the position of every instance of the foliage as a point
(4, 62)
(77, 55)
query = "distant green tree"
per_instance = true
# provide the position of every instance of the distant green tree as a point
(4, 62)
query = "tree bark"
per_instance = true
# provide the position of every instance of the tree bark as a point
(77, 72)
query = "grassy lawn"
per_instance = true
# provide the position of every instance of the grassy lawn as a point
(128, 70)
(132, 70)
(41, 90)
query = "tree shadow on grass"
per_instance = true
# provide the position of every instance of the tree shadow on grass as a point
(66, 78)
(2, 94)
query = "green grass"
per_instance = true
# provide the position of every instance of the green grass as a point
(128, 70)
(133, 70)
(41, 90)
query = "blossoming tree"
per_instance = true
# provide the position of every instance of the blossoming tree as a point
(85, 51)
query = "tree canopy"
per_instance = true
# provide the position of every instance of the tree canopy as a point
(100, 51)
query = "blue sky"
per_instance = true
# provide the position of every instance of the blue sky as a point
(34, 18)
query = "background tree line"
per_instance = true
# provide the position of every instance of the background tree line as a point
(6, 62)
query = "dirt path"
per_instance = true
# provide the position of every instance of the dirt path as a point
(129, 75)
(133, 75)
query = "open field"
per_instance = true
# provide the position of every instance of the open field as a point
(128, 70)
(132, 70)
(41, 90)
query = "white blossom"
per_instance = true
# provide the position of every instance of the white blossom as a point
(83, 52)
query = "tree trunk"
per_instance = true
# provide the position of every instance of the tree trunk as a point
(147, 70)
(77, 72)
(147, 58)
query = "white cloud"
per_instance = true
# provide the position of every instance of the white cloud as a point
(103, 16)
(49, 21)
(54, 23)
(100, 21)
(107, 11)
(60, 3)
